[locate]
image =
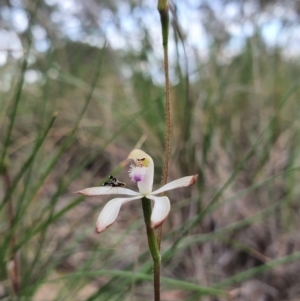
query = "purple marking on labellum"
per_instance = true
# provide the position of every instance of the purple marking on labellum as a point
(137, 174)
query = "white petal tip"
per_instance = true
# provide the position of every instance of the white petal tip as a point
(89, 191)
(154, 225)
(193, 180)
(85, 192)
(99, 229)
(79, 192)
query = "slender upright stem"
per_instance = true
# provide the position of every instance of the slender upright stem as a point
(153, 247)
(154, 240)
(13, 264)
(164, 19)
(163, 10)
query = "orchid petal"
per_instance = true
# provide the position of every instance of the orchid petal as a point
(110, 211)
(182, 182)
(104, 190)
(160, 209)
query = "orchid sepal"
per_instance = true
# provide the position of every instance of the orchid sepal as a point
(182, 182)
(160, 210)
(110, 212)
(106, 190)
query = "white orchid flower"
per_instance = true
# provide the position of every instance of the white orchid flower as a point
(141, 173)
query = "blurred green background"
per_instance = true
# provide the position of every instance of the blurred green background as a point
(98, 67)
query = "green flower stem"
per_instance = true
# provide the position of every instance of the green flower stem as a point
(153, 247)
(163, 10)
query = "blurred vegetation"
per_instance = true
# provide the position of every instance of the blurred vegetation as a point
(81, 85)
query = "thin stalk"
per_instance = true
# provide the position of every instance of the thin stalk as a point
(163, 10)
(19, 88)
(27, 164)
(9, 191)
(13, 265)
(153, 247)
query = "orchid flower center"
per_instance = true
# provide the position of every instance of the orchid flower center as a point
(138, 172)
(142, 171)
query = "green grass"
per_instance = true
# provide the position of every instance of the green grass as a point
(238, 129)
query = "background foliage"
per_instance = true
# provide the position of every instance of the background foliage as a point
(97, 66)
